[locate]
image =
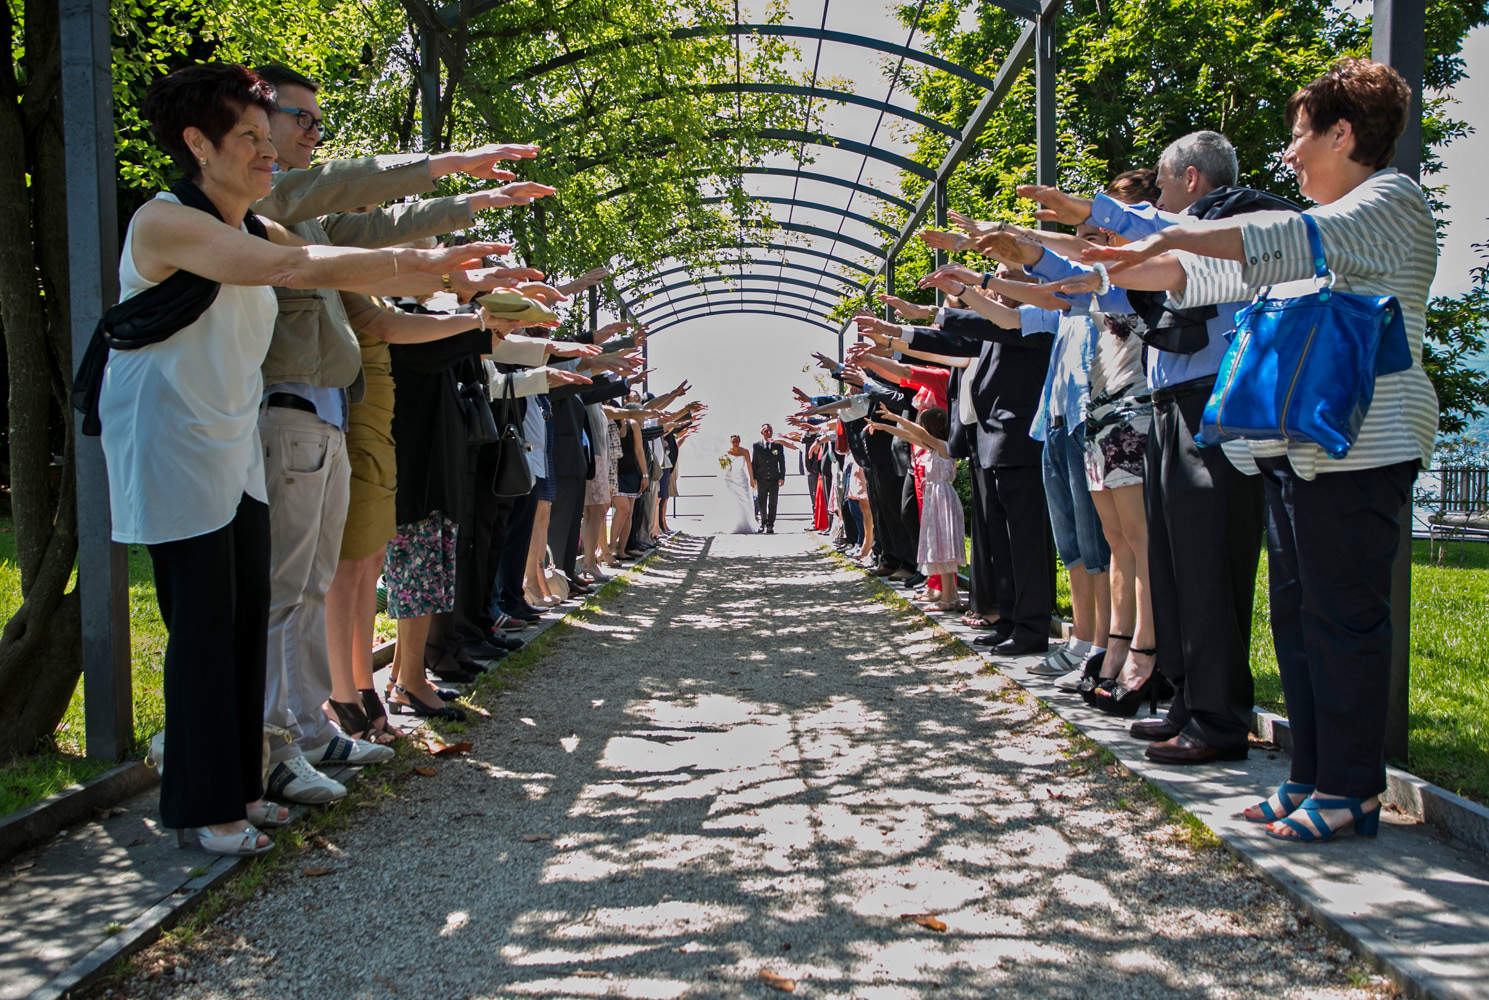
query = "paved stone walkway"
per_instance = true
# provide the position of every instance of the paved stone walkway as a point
(744, 764)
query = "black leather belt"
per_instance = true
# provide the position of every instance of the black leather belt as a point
(1056, 422)
(1171, 392)
(289, 401)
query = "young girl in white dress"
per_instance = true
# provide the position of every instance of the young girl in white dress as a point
(942, 526)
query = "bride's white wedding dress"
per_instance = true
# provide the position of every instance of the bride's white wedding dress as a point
(736, 507)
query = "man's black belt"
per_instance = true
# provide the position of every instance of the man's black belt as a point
(1178, 389)
(289, 401)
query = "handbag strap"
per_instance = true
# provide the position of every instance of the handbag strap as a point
(1316, 247)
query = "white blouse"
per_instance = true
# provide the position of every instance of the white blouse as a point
(1379, 239)
(180, 418)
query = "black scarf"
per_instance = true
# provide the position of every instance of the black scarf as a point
(149, 317)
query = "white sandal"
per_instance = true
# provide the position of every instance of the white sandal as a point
(243, 844)
(265, 814)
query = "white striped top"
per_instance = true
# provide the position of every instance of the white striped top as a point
(1379, 239)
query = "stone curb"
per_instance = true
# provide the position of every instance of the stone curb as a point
(40, 821)
(143, 930)
(1416, 797)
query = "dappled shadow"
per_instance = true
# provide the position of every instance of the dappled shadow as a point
(745, 762)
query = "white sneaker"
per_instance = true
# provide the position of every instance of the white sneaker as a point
(295, 780)
(346, 750)
(1056, 664)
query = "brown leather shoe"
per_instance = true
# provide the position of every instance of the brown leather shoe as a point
(1186, 749)
(1155, 729)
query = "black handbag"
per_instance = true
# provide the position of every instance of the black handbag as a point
(475, 412)
(513, 476)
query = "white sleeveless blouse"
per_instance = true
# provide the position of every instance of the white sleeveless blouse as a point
(180, 418)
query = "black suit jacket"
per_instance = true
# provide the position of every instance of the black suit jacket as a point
(1005, 390)
(768, 461)
(569, 456)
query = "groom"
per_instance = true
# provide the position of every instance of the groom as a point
(768, 460)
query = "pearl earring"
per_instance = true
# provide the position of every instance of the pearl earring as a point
(204, 161)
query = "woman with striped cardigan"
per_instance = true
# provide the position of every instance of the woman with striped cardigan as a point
(1333, 525)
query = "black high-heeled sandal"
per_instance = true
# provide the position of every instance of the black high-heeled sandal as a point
(413, 706)
(1091, 680)
(1124, 701)
(351, 716)
(372, 705)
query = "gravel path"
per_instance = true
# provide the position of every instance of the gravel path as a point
(745, 762)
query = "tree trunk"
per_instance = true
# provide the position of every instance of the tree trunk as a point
(40, 654)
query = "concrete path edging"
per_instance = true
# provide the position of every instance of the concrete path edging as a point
(39, 822)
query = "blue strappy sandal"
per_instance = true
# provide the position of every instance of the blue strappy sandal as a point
(1366, 824)
(1286, 792)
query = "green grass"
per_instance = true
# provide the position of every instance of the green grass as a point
(30, 779)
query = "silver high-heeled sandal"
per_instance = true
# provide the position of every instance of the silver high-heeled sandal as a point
(243, 844)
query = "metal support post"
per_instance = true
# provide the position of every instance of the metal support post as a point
(429, 89)
(594, 311)
(940, 224)
(93, 273)
(1399, 38)
(889, 286)
(1046, 164)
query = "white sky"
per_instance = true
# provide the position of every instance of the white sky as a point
(744, 366)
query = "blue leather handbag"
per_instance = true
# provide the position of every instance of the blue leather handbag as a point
(1304, 368)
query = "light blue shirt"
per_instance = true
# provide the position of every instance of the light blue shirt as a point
(1135, 222)
(330, 404)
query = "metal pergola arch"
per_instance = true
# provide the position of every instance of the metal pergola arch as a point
(706, 308)
(1398, 38)
(723, 276)
(720, 292)
(721, 311)
(805, 175)
(746, 261)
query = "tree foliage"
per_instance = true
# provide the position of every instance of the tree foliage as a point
(1454, 349)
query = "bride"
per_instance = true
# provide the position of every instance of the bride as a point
(738, 516)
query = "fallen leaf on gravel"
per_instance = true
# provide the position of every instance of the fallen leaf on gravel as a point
(588, 974)
(478, 710)
(427, 772)
(925, 920)
(1077, 772)
(1111, 769)
(534, 837)
(1051, 792)
(316, 872)
(444, 749)
(776, 982)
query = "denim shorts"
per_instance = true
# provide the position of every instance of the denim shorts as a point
(1077, 528)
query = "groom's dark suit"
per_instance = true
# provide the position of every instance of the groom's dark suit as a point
(768, 460)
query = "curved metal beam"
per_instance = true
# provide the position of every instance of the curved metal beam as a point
(679, 321)
(906, 164)
(723, 299)
(773, 30)
(698, 312)
(806, 175)
(750, 261)
(792, 89)
(814, 205)
(774, 295)
(712, 278)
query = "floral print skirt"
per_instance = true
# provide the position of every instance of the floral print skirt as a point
(420, 569)
(1116, 438)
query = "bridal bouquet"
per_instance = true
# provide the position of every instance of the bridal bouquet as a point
(724, 462)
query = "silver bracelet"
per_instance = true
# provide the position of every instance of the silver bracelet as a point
(1106, 281)
(395, 262)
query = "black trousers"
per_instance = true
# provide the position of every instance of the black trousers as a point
(1330, 546)
(475, 560)
(1204, 537)
(1011, 560)
(767, 493)
(886, 486)
(910, 518)
(511, 549)
(213, 592)
(564, 521)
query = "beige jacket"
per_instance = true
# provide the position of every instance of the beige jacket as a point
(313, 342)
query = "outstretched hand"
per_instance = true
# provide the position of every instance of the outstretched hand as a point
(907, 310)
(1121, 258)
(1058, 206)
(948, 242)
(1010, 248)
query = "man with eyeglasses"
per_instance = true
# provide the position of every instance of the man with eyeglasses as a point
(312, 373)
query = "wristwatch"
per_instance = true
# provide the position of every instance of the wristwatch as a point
(986, 277)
